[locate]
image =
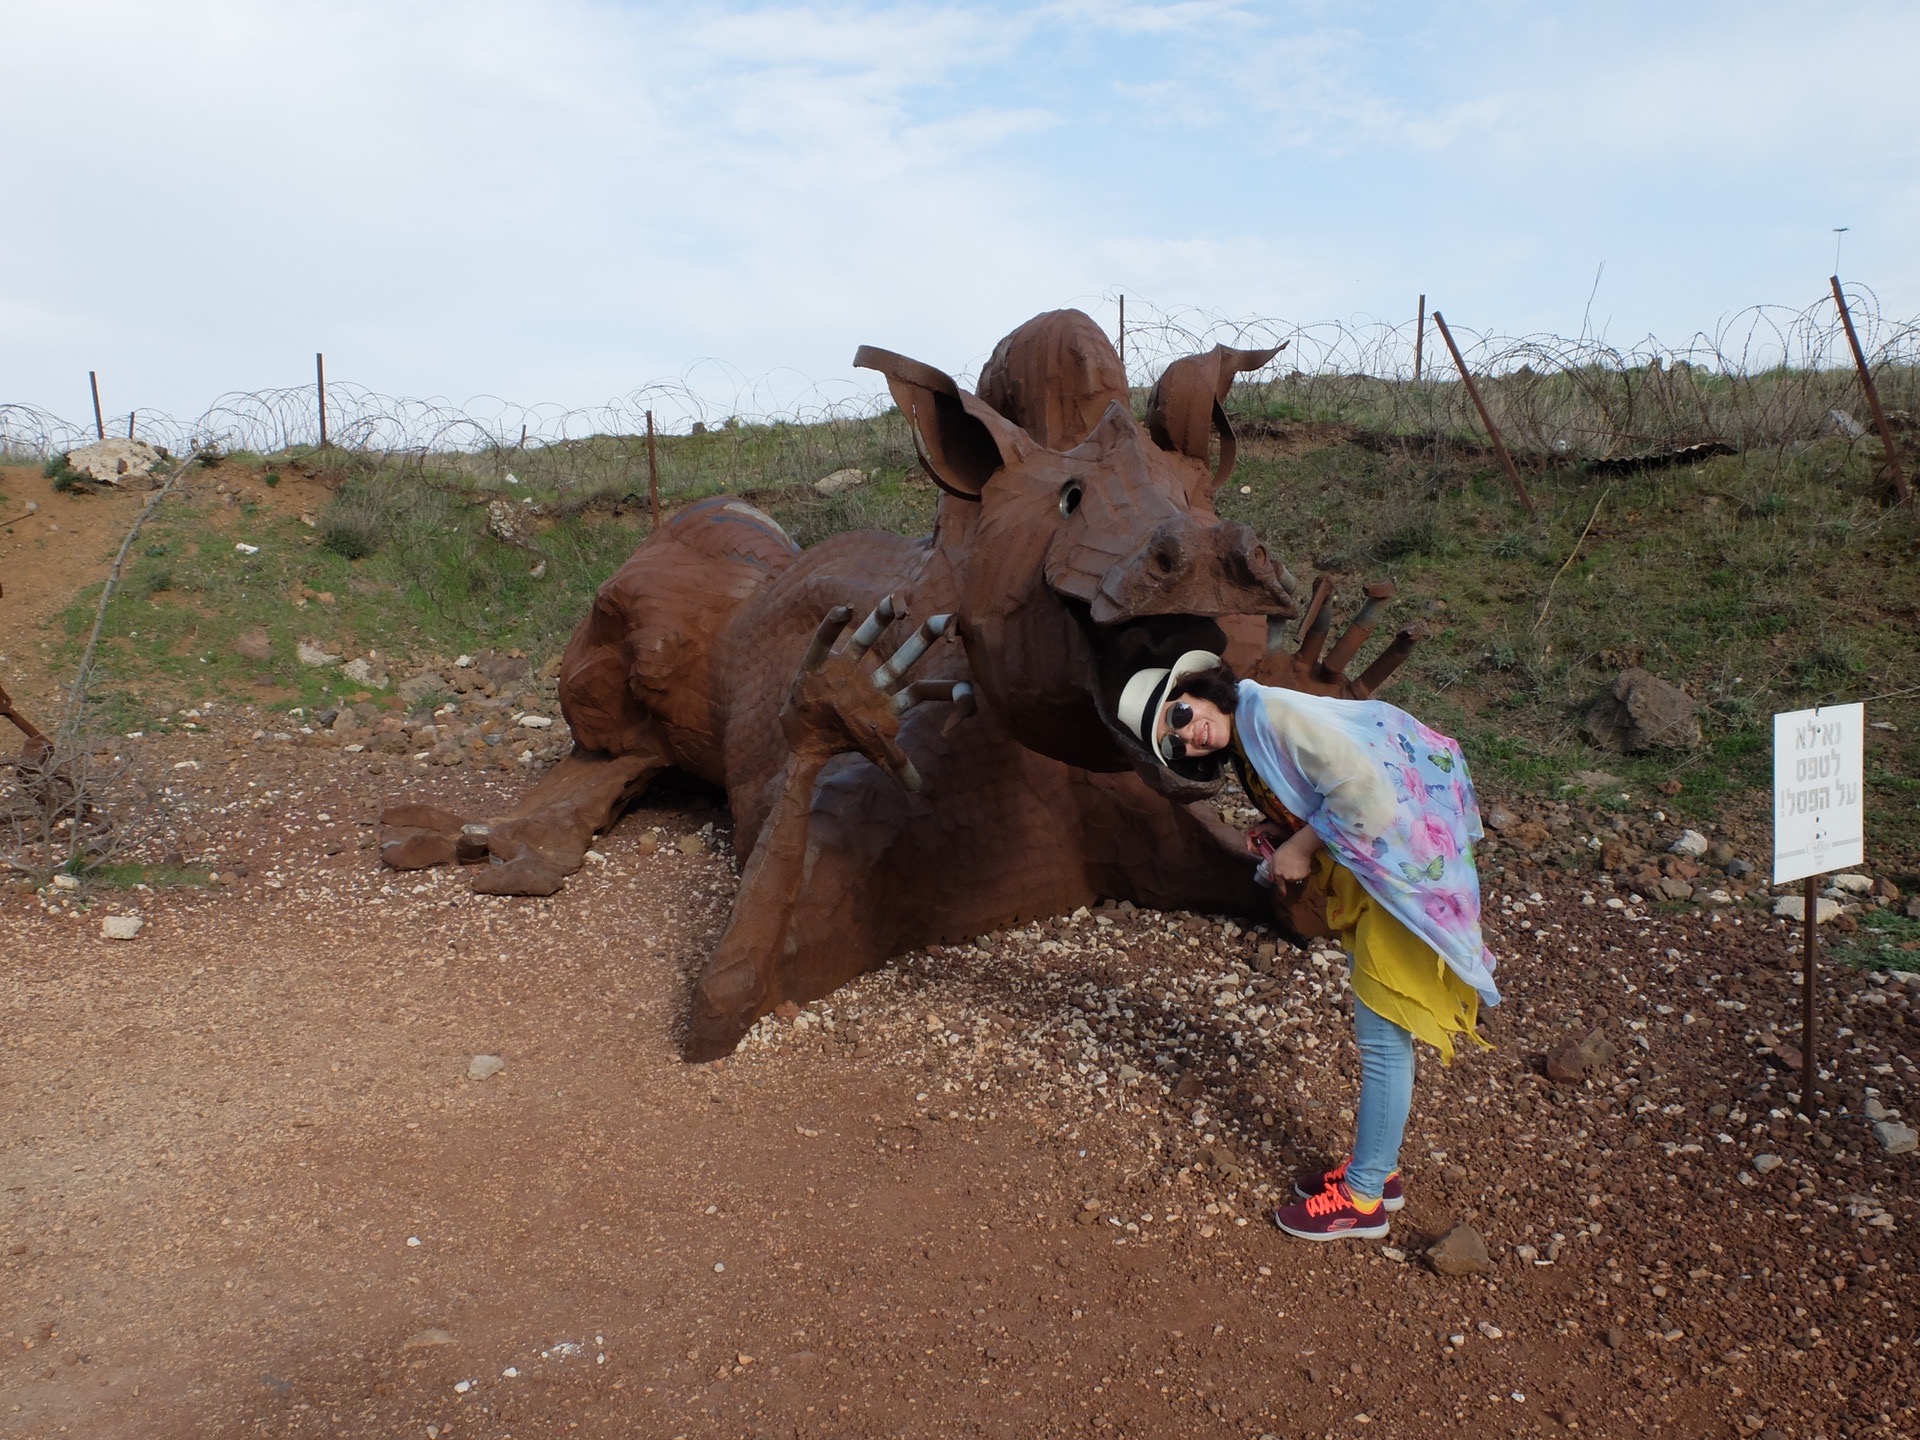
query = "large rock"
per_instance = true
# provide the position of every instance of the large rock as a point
(840, 480)
(1573, 1060)
(113, 462)
(419, 687)
(1643, 712)
(1529, 837)
(362, 672)
(254, 645)
(1794, 907)
(1460, 1251)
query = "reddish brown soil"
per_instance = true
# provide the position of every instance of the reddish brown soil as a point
(941, 1206)
(47, 557)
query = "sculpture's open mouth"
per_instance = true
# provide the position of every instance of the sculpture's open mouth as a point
(1119, 651)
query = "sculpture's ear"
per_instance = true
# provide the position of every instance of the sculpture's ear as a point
(962, 440)
(1185, 404)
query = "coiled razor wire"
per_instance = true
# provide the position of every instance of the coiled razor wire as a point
(1766, 377)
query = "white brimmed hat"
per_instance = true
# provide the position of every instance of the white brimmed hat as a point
(1140, 708)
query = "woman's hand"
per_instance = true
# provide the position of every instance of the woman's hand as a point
(1268, 831)
(1293, 861)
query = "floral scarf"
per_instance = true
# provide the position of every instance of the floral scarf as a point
(1392, 800)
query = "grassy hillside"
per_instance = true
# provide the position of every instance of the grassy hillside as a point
(1760, 582)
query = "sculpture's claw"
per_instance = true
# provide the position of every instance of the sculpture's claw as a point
(889, 674)
(883, 615)
(1314, 625)
(964, 705)
(831, 625)
(1305, 669)
(1358, 629)
(1276, 632)
(1388, 661)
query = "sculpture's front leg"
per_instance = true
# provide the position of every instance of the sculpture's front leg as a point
(834, 707)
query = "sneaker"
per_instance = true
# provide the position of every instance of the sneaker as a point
(1309, 1183)
(1330, 1216)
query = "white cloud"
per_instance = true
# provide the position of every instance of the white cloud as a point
(565, 200)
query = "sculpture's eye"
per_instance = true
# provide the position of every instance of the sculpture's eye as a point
(1070, 494)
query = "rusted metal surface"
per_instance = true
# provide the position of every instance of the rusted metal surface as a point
(653, 474)
(1420, 340)
(1493, 431)
(39, 747)
(320, 391)
(958, 762)
(1900, 490)
(1809, 1071)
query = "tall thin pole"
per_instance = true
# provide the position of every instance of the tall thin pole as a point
(99, 421)
(131, 416)
(653, 474)
(1120, 339)
(1807, 1069)
(1493, 431)
(1873, 393)
(1419, 339)
(320, 387)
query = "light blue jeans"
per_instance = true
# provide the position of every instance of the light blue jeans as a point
(1386, 1095)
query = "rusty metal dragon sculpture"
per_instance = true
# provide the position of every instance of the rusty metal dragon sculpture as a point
(1072, 547)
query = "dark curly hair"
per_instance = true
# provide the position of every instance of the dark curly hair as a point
(1219, 686)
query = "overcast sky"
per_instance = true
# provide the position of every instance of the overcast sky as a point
(563, 201)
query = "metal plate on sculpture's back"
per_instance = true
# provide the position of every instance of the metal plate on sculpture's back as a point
(730, 529)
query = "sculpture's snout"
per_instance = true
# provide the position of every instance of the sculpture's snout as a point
(1189, 569)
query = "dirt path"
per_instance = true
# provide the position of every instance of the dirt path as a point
(247, 1189)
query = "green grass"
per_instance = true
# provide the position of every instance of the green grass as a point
(1884, 941)
(1761, 582)
(121, 876)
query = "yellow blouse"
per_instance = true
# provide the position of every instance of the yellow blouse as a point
(1396, 974)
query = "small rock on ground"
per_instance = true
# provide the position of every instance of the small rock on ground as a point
(1794, 907)
(483, 1067)
(1691, 844)
(120, 927)
(1895, 1138)
(1460, 1251)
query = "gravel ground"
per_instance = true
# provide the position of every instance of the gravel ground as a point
(1017, 1187)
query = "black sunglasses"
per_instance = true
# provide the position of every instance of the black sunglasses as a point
(1179, 716)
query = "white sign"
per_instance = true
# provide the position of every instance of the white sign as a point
(1818, 813)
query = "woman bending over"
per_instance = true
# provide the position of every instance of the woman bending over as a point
(1376, 812)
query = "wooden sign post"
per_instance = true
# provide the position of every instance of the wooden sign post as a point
(1818, 826)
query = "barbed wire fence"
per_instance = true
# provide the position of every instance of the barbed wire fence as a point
(1768, 377)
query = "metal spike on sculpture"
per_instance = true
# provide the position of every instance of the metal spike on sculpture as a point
(875, 813)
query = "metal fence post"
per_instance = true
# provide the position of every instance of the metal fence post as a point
(1419, 339)
(99, 422)
(1873, 395)
(653, 474)
(1493, 431)
(320, 387)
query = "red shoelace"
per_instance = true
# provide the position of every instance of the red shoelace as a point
(1333, 1198)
